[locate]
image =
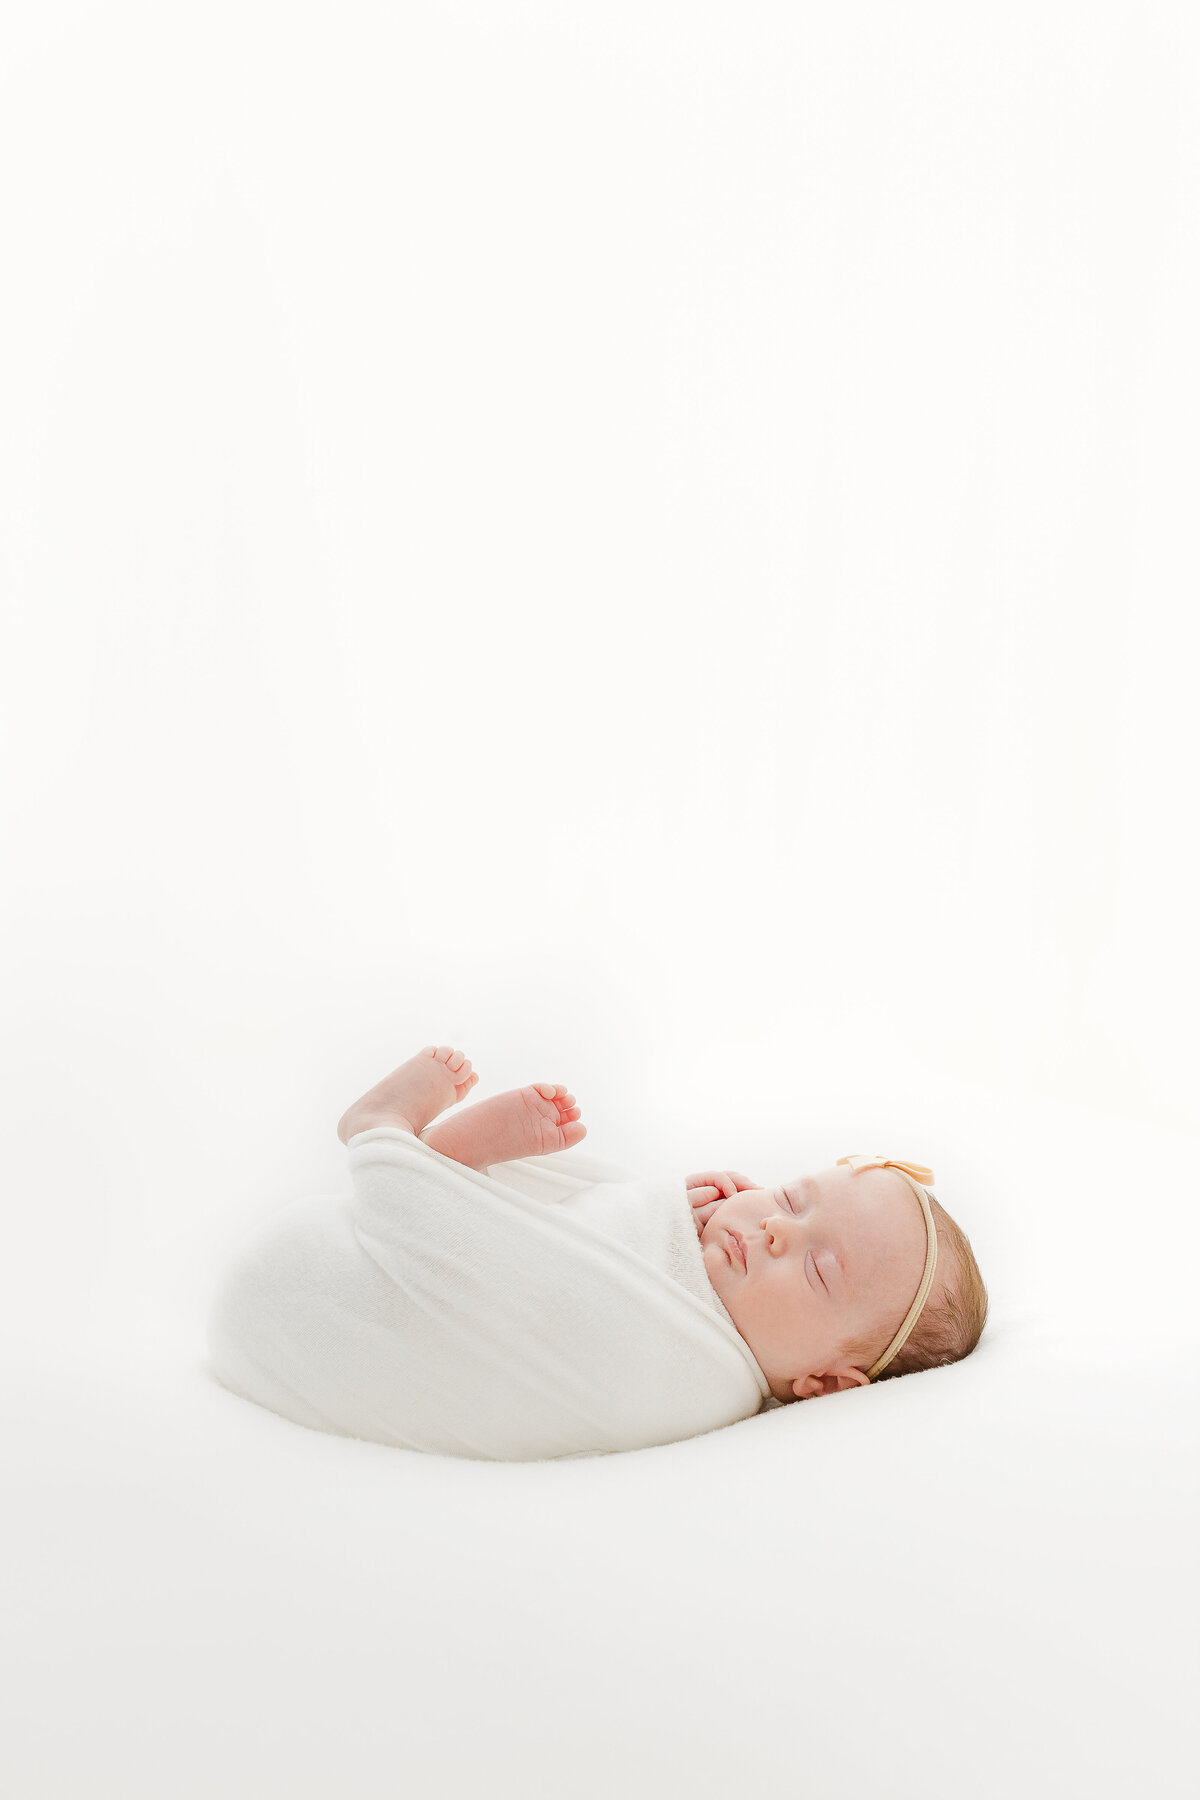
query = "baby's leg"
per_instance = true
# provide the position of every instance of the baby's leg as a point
(528, 1121)
(412, 1095)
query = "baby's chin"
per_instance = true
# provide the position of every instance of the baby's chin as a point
(724, 1276)
(716, 1263)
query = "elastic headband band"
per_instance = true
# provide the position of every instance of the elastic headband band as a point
(910, 1171)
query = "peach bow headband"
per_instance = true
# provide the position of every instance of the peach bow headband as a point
(912, 1172)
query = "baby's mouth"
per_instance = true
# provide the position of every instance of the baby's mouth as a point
(737, 1254)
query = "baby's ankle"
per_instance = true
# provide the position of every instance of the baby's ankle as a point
(354, 1121)
(493, 1131)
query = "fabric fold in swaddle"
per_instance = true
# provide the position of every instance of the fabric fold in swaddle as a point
(526, 1312)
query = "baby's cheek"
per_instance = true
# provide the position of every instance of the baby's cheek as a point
(715, 1262)
(720, 1215)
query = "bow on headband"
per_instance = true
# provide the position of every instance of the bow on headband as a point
(918, 1171)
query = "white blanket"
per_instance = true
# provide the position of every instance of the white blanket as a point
(528, 1312)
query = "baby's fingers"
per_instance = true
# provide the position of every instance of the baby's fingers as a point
(720, 1180)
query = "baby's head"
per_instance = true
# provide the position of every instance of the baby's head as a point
(819, 1275)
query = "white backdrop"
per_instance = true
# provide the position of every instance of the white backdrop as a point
(651, 543)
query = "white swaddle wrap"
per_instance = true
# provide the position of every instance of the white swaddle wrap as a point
(548, 1307)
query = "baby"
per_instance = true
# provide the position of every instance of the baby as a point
(833, 1280)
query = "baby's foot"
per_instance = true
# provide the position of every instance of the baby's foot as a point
(528, 1121)
(413, 1094)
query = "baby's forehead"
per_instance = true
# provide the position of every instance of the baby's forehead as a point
(877, 1202)
(843, 1181)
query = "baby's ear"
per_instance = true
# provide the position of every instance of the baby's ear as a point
(809, 1387)
(829, 1383)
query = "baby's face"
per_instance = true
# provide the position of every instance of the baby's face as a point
(827, 1257)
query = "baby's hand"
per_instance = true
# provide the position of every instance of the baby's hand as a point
(711, 1189)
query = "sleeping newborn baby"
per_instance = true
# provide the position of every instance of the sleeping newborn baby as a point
(482, 1294)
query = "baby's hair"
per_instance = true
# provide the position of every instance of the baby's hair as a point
(952, 1319)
